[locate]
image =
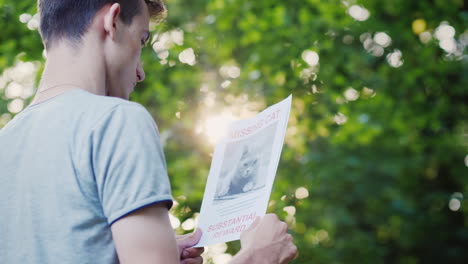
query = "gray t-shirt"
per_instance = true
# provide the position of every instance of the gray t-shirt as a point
(71, 166)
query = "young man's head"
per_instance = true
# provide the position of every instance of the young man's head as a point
(118, 28)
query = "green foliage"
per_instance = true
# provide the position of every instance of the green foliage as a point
(382, 150)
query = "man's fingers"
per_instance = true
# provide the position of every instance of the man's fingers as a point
(294, 251)
(189, 240)
(192, 252)
(195, 236)
(197, 260)
(289, 253)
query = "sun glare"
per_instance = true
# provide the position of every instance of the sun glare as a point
(215, 127)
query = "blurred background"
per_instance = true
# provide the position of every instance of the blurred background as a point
(375, 163)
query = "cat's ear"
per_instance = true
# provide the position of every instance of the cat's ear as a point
(245, 151)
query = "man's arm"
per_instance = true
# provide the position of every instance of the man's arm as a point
(146, 236)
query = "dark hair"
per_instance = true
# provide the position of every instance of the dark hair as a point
(71, 18)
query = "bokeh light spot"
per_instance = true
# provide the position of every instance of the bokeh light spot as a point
(448, 45)
(444, 31)
(340, 119)
(16, 106)
(224, 258)
(229, 71)
(322, 235)
(13, 90)
(33, 23)
(187, 56)
(454, 204)
(383, 39)
(302, 193)
(290, 210)
(24, 18)
(4, 119)
(425, 37)
(395, 58)
(188, 224)
(175, 222)
(225, 84)
(418, 26)
(310, 57)
(351, 94)
(358, 12)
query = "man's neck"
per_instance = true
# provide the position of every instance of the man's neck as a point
(68, 68)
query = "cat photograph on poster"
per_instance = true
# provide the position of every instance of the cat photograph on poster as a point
(245, 165)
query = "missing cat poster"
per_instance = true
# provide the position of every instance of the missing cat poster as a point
(242, 173)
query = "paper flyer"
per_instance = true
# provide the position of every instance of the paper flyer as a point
(242, 173)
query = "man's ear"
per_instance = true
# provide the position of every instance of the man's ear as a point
(110, 20)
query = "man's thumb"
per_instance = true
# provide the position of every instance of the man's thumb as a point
(190, 239)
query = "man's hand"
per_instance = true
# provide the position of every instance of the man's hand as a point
(189, 255)
(267, 242)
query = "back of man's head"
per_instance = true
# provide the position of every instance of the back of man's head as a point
(69, 19)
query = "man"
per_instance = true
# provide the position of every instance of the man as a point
(83, 176)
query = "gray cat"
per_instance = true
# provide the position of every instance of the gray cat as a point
(243, 178)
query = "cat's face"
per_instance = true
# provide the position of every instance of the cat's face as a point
(248, 167)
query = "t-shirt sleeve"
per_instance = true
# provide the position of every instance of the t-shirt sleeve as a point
(128, 162)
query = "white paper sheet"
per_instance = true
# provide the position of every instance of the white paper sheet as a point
(242, 174)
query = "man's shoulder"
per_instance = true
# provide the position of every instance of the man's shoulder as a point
(101, 107)
(102, 103)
